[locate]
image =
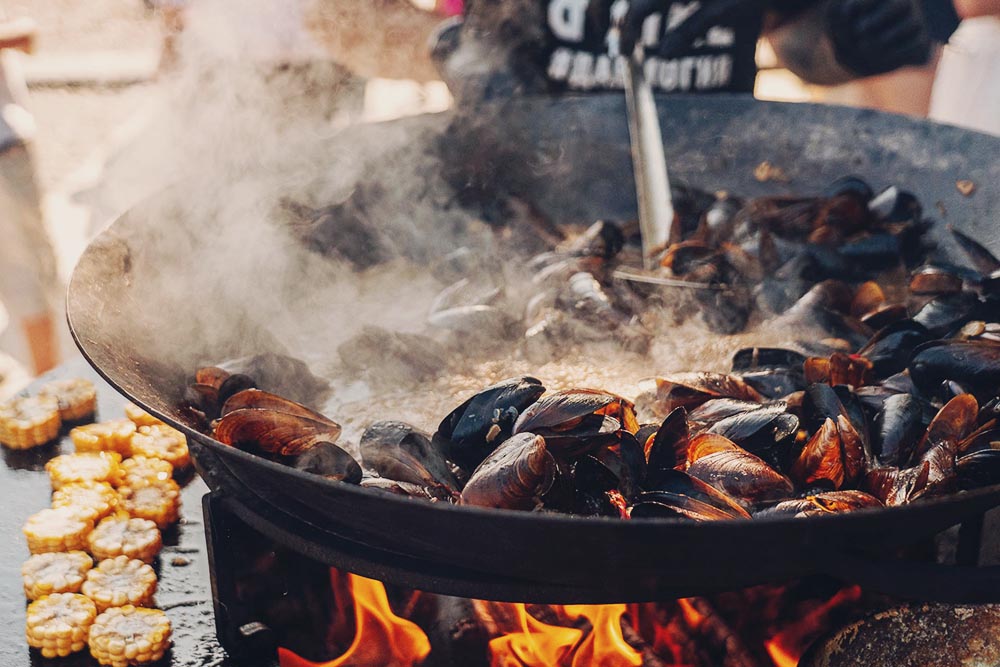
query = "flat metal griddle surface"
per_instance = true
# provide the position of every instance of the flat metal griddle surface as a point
(184, 591)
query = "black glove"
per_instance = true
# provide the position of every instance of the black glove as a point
(878, 36)
(679, 39)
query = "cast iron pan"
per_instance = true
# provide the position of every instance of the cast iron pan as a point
(569, 157)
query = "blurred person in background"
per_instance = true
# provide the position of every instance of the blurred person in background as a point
(29, 283)
(967, 87)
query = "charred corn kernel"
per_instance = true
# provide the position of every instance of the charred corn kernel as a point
(120, 581)
(128, 635)
(162, 442)
(121, 536)
(59, 624)
(140, 417)
(140, 470)
(29, 421)
(95, 500)
(77, 398)
(59, 529)
(160, 502)
(45, 574)
(89, 467)
(112, 436)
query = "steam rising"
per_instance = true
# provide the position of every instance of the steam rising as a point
(242, 147)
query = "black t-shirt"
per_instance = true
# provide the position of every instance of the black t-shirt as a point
(576, 57)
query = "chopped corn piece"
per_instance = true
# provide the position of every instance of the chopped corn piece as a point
(59, 529)
(77, 398)
(162, 442)
(140, 470)
(59, 624)
(112, 436)
(90, 467)
(29, 421)
(128, 635)
(55, 572)
(95, 500)
(117, 536)
(157, 501)
(139, 416)
(120, 581)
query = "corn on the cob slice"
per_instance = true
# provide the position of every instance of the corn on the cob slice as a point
(95, 500)
(162, 442)
(160, 502)
(128, 635)
(120, 581)
(77, 397)
(55, 572)
(59, 529)
(118, 536)
(59, 624)
(90, 467)
(29, 421)
(140, 470)
(140, 417)
(111, 436)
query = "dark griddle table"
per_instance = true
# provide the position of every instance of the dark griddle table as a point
(184, 590)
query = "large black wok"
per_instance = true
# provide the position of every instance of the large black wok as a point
(569, 158)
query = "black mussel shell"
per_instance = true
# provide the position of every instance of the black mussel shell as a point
(234, 384)
(890, 349)
(474, 429)
(761, 358)
(719, 462)
(895, 205)
(689, 390)
(203, 398)
(272, 432)
(330, 461)
(592, 480)
(282, 375)
(564, 410)
(984, 261)
(767, 432)
(898, 427)
(668, 448)
(973, 364)
(514, 476)
(717, 409)
(945, 314)
(664, 505)
(853, 186)
(681, 483)
(935, 280)
(256, 399)
(398, 451)
(830, 502)
(978, 469)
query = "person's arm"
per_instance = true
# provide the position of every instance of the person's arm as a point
(833, 41)
(377, 38)
(971, 8)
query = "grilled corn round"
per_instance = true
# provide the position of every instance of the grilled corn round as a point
(116, 582)
(120, 536)
(90, 467)
(129, 635)
(162, 442)
(95, 500)
(59, 624)
(77, 398)
(48, 573)
(140, 470)
(59, 529)
(157, 501)
(139, 416)
(29, 421)
(111, 436)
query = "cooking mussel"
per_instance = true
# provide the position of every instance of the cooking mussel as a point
(721, 463)
(974, 364)
(278, 427)
(831, 502)
(689, 390)
(397, 451)
(575, 421)
(474, 429)
(679, 495)
(515, 476)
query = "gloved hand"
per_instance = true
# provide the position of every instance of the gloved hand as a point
(679, 39)
(878, 36)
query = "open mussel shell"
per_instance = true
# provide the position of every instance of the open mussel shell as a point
(395, 450)
(719, 462)
(667, 448)
(834, 455)
(689, 390)
(831, 502)
(973, 364)
(952, 424)
(767, 431)
(515, 476)
(328, 460)
(474, 429)
(683, 484)
(256, 399)
(273, 432)
(563, 410)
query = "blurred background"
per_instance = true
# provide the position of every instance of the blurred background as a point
(96, 97)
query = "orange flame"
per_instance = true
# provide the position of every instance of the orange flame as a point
(787, 647)
(542, 645)
(382, 640)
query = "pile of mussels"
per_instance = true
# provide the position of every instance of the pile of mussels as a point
(899, 399)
